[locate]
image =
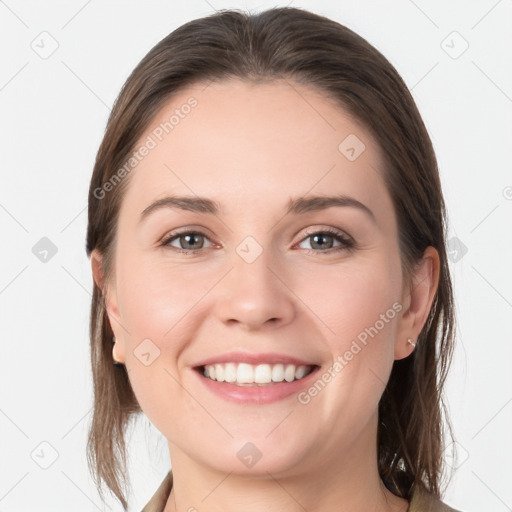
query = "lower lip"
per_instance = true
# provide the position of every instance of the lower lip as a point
(257, 394)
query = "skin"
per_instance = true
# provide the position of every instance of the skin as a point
(251, 148)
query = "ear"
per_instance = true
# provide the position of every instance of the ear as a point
(417, 302)
(110, 296)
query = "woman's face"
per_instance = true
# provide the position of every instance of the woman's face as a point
(263, 285)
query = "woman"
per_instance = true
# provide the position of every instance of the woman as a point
(267, 240)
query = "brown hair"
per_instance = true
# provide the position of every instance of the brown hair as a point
(292, 44)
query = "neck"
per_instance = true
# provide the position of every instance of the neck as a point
(348, 481)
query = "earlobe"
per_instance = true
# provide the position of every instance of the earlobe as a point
(116, 361)
(420, 299)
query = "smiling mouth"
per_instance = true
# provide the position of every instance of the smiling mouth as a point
(243, 374)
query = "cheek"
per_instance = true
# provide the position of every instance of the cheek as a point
(156, 296)
(153, 305)
(361, 310)
(158, 303)
(352, 299)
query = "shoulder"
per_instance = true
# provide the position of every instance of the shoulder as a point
(424, 501)
(159, 499)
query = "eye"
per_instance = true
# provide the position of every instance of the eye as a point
(322, 241)
(188, 241)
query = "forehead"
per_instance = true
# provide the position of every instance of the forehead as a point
(250, 144)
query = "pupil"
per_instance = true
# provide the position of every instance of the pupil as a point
(321, 245)
(187, 238)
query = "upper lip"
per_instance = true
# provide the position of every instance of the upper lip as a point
(263, 358)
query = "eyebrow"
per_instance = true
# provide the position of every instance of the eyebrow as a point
(299, 205)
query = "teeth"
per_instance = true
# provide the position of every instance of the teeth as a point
(247, 374)
(278, 373)
(219, 373)
(230, 372)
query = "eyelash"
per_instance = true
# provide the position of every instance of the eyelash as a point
(347, 243)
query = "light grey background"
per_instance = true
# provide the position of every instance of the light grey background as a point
(53, 112)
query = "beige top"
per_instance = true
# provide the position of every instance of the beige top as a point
(421, 501)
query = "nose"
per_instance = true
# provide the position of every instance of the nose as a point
(255, 295)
